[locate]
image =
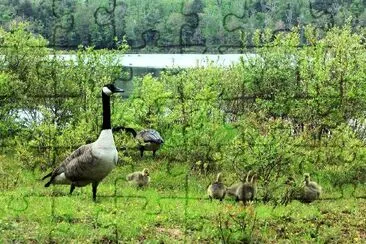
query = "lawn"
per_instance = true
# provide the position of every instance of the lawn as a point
(174, 208)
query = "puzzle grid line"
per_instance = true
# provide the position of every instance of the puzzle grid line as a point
(148, 37)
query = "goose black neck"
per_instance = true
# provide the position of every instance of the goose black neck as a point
(130, 130)
(106, 112)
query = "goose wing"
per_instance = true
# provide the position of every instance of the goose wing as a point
(150, 135)
(82, 167)
(82, 150)
(77, 159)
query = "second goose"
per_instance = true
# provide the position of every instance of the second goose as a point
(148, 139)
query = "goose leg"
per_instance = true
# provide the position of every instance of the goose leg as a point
(154, 153)
(72, 188)
(94, 187)
(142, 151)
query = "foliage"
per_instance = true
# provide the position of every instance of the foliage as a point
(236, 226)
(282, 111)
(57, 96)
(217, 25)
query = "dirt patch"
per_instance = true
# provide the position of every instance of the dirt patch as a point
(174, 233)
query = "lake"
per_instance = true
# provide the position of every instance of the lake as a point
(140, 64)
(166, 61)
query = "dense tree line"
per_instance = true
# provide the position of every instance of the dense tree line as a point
(173, 26)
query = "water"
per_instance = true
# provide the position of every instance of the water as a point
(141, 64)
(166, 61)
(147, 63)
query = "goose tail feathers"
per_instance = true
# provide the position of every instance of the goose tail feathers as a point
(46, 176)
(48, 184)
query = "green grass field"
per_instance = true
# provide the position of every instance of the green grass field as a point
(173, 209)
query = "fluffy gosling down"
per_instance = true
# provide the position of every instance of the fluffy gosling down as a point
(306, 193)
(217, 189)
(312, 190)
(244, 191)
(139, 179)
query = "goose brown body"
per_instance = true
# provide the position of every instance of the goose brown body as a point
(148, 139)
(90, 163)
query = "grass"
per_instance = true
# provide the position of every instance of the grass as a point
(173, 209)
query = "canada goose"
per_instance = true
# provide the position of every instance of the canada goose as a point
(148, 139)
(90, 163)
(217, 190)
(139, 179)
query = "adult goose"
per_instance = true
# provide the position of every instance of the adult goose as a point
(90, 163)
(148, 139)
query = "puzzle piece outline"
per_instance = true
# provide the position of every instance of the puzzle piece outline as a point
(181, 47)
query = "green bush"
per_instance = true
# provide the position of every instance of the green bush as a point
(267, 114)
(66, 93)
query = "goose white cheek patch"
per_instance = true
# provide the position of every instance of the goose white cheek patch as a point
(107, 91)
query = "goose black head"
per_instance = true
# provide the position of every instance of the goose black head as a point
(109, 89)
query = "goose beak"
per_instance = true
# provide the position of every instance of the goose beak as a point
(117, 89)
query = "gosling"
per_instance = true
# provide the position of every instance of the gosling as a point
(139, 179)
(243, 191)
(312, 190)
(246, 192)
(217, 189)
(306, 193)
